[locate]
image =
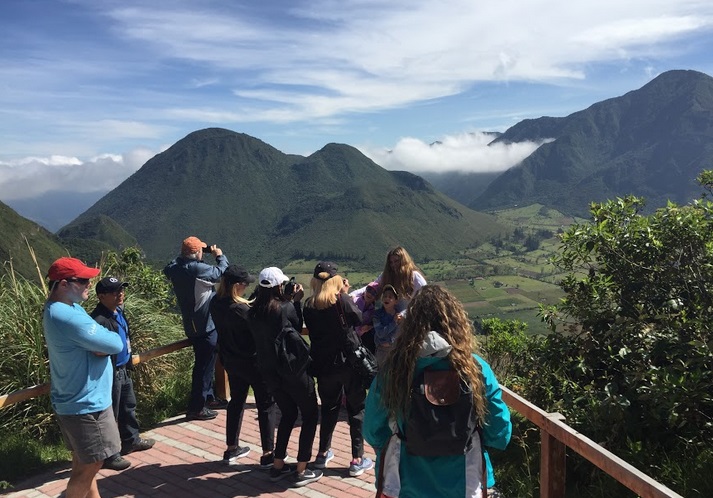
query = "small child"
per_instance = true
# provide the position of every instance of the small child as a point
(386, 323)
(366, 302)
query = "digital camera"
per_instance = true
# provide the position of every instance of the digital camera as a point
(290, 287)
(207, 250)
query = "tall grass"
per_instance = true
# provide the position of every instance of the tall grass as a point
(29, 435)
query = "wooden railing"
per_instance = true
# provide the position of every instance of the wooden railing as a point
(556, 437)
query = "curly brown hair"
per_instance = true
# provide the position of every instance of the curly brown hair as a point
(432, 309)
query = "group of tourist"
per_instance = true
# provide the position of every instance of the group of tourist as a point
(409, 326)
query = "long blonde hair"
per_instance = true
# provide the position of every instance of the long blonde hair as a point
(324, 292)
(432, 309)
(228, 290)
(402, 278)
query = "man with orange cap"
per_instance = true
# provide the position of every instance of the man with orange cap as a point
(193, 282)
(81, 374)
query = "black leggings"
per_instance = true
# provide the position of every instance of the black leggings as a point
(292, 396)
(240, 382)
(330, 386)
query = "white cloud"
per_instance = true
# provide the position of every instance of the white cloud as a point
(467, 152)
(32, 176)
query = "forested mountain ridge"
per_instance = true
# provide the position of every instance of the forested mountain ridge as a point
(650, 142)
(265, 207)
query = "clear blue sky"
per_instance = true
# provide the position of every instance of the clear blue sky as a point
(91, 89)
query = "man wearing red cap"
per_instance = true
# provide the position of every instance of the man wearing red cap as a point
(81, 374)
(193, 281)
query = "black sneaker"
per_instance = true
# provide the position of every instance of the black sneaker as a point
(266, 461)
(217, 404)
(139, 445)
(230, 456)
(306, 477)
(204, 414)
(116, 462)
(277, 474)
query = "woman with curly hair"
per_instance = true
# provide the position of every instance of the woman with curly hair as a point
(435, 334)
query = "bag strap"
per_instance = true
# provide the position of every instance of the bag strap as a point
(340, 312)
(380, 474)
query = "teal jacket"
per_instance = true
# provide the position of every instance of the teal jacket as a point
(447, 476)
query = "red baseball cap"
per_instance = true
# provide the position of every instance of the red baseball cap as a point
(191, 245)
(65, 268)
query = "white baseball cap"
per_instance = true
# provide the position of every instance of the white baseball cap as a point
(271, 277)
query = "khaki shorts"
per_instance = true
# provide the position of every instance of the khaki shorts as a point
(92, 437)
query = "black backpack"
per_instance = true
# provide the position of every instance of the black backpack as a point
(441, 419)
(291, 354)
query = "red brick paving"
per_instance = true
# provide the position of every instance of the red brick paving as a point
(186, 461)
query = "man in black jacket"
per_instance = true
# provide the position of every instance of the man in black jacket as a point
(109, 313)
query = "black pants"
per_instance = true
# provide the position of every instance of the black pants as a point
(240, 382)
(291, 397)
(123, 402)
(203, 370)
(330, 386)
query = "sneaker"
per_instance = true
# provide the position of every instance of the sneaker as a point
(357, 468)
(321, 461)
(277, 474)
(204, 414)
(307, 477)
(217, 404)
(230, 456)
(266, 461)
(116, 462)
(139, 445)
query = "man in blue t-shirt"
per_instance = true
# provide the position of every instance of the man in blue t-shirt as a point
(110, 313)
(80, 374)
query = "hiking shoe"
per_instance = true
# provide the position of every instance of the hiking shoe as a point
(277, 474)
(357, 468)
(217, 404)
(116, 462)
(139, 445)
(321, 461)
(230, 456)
(306, 477)
(266, 461)
(204, 414)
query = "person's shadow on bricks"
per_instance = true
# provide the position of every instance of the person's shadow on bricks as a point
(201, 479)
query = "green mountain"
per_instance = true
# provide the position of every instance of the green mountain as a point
(18, 233)
(264, 207)
(650, 142)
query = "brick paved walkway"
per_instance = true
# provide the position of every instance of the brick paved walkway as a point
(186, 461)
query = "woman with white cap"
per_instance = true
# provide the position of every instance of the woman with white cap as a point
(275, 321)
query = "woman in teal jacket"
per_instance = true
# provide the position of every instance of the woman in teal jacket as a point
(435, 333)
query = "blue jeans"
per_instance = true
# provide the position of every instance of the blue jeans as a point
(203, 370)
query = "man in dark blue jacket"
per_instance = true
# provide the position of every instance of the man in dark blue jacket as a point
(193, 284)
(110, 313)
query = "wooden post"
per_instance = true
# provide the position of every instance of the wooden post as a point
(552, 462)
(221, 386)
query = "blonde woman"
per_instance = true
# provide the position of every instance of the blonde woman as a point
(236, 348)
(436, 334)
(330, 315)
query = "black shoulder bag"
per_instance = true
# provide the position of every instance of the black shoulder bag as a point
(359, 358)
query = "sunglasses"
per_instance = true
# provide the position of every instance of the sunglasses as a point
(81, 281)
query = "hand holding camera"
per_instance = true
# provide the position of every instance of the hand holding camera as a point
(213, 249)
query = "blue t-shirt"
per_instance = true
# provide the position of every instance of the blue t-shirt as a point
(80, 380)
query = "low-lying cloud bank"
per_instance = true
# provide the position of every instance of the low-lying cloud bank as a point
(466, 153)
(33, 176)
